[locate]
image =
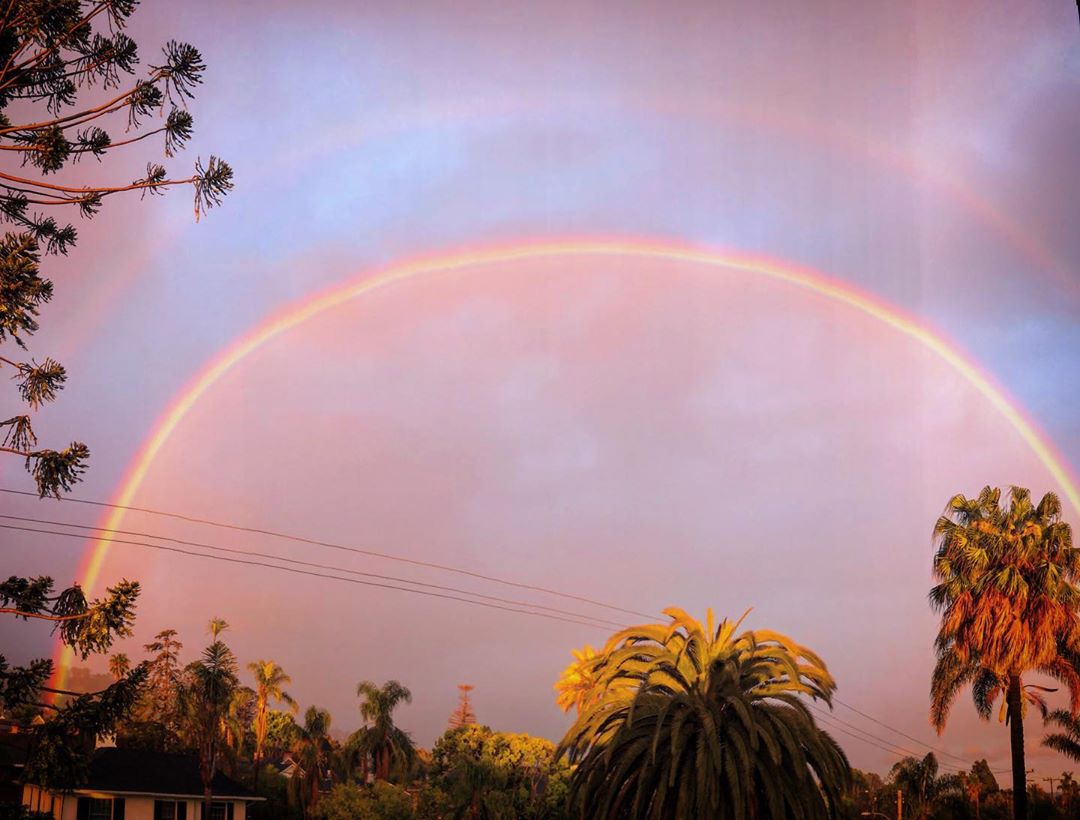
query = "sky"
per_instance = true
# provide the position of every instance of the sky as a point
(638, 430)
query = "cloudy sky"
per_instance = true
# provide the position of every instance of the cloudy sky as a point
(637, 430)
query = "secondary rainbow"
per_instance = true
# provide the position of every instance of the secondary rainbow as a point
(661, 250)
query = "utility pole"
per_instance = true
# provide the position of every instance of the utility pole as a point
(899, 805)
(1051, 780)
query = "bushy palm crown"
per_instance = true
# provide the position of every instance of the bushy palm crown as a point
(311, 750)
(380, 740)
(577, 683)
(1007, 590)
(922, 786)
(270, 683)
(694, 720)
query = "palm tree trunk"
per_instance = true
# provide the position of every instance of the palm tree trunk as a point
(1014, 699)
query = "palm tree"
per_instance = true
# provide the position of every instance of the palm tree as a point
(379, 740)
(922, 786)
(1067, 741)
(311, 751)
(205, 697)
(270, 680)
(972, 788)
(577, 683)
(693, 720)
(216, 627)
(119, 665)
(1007, 590)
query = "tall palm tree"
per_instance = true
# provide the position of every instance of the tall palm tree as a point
(694, 720)
(921, 784)
(312, 751)
(379, 740)
(577, 683)
(270, 680)
(1007, 592)
(208, 691)
(119, 665)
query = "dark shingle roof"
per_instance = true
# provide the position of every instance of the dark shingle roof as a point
(138, 771)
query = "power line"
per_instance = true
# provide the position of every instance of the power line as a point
(315, 565)
(593, 621)
(313, 574)
(875, 739)
(897, 731)
(866, 740)
(898, 749)
(331, 545)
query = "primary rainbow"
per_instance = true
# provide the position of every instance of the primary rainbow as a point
(661, 250)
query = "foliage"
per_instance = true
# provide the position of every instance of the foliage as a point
(86, 627)
(206, 693)
(484, 771)
(1007, 592)
(60, 744)
(313, 752)
(1066, 741)
(119, 665)
(379, 742)
(270, 680)
(281, 733)
(13, 811)
(51, 53)
(576, 685)
(381, 801)
(278, 804)
(693, 720)
(921, 784)
(155, 723)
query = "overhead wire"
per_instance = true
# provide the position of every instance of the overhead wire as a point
(313, 574)
(312, 564)
(489, 601)
(342, 547)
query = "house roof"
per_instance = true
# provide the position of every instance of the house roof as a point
(134, 771)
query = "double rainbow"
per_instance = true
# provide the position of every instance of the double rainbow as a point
(429, 266)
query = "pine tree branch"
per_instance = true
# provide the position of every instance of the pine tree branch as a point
(86, 115)
(135, 186)
(60, 41)
(7, 610)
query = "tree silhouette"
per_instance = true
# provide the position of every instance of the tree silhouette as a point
(379, 740)
(53, 55)
(58, 751)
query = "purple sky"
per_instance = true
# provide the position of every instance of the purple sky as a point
(649, 434)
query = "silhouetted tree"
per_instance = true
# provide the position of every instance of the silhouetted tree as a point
(206, 693)
(921, 784)
(60, 744)
(379, 740)
(52, 54)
